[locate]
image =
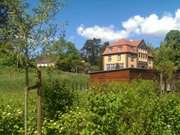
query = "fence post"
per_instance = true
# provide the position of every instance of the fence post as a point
(26, 100)
(26, 111)
(39, 104)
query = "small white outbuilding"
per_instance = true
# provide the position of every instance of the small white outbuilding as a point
(45, 62)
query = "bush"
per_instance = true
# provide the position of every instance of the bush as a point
(105, 109)
(58, 98)
(122, 109)
(11, 120)
(72, 123)
(139, 110)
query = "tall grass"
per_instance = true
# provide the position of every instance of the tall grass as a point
(12, 82)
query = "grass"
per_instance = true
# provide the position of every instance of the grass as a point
(12, 83)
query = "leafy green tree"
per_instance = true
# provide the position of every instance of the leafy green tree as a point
(31, 31)
(7, 31)
(167, 58)
(164, 64)
(71, 59)
(3, 15)
(172, 40)
(5, 8)
(66, 55)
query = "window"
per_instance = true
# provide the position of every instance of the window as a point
(121, 65)
(111, 66)
(118, 57)
(119, 49)
(132, 66)
(109, 58)
(110, 50)
(108, 66)
(132, 59)
(146, 56)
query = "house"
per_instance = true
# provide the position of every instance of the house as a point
(125, 53)
(45, 62)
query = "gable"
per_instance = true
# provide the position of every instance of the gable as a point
(143, 45)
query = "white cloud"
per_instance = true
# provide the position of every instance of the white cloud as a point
(104, 33)
(132, 24)
(151, 25)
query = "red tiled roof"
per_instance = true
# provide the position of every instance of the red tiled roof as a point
(123, 46)
(126, 42)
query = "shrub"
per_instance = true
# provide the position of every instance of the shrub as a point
(10, 120)
(74, 122)
(139, 110)
(58, 98)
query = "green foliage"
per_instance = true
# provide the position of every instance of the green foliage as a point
(71, 60)
(57, 98)
(23, 30)
(11, 113)
(134, 108)
(172, 40)
(11, 120)
(163, 62)
(92, 51)
(121, 109)
(12, 97)
(74, 122)
(66, 55)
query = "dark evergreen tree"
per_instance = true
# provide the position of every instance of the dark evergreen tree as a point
(92, 51)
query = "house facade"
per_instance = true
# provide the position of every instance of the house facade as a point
(45, 62)
(127, 54)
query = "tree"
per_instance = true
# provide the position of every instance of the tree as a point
(3, 15)
(31, 31)
(164, 65)
(92, 51)
(66, 55)
(172, 40)
(167, 57)
(3, 21)
(7, 31)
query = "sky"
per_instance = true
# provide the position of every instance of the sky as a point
(114, 19)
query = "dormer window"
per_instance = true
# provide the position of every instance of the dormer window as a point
(110, 50)
(119, 49)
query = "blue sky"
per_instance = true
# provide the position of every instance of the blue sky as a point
(113, 19)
